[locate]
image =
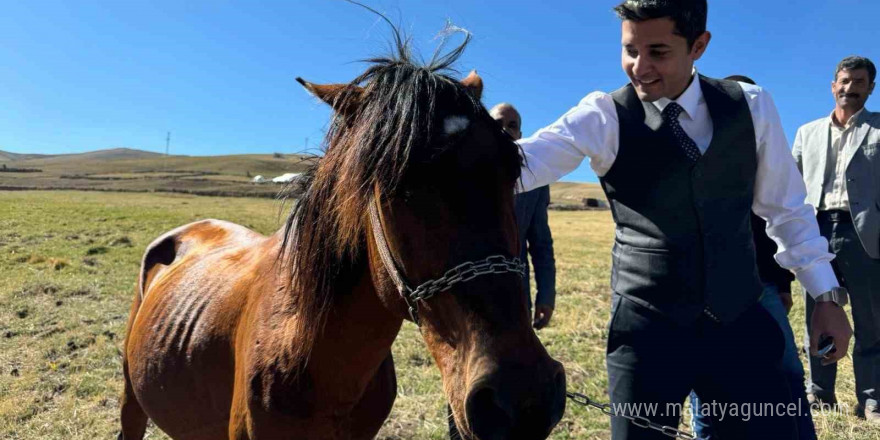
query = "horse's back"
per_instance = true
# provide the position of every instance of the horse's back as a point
(195, 283)
(202, 239)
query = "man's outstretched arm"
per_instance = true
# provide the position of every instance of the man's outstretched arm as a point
(780, 200)
(589, 130)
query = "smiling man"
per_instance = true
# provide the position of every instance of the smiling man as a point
(684, 159)
(841, 165)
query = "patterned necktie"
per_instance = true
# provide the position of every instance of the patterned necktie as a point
(670, 118)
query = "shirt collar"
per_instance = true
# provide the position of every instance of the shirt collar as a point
(853, 120)
(689, 99)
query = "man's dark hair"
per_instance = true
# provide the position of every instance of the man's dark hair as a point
(855, 63)
(689, 15)
(742, 79)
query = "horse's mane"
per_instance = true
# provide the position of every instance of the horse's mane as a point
(367, 152)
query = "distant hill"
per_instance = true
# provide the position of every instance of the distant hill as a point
(116, 154)
(572, 193)
(127, 160)
(126, 169)
(6, 156)
(111, 154)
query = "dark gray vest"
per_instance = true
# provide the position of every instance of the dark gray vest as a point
(683, 243)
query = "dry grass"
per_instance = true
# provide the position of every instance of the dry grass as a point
(61, 328)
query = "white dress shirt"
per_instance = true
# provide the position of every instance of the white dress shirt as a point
(834, 194)
(591, 131)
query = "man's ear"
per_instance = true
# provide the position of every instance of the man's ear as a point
(474, 84)
(700, 45)
(343, 98)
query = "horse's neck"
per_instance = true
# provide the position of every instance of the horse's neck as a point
(356, 338)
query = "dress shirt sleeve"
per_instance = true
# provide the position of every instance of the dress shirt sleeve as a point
(780, 200)
(589, 130)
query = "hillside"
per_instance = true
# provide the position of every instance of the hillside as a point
(110, 154)
(124, 169)
(6, 157)
(113, 154)
(572, 193)
(129, 170)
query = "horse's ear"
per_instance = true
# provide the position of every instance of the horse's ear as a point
(344, 98)
(474, 84)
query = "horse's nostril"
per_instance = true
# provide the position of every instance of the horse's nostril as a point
(559, 381)
(559, 377)
(559, 397)
(488, 416)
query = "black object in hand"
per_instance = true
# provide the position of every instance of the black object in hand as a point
(826, 346)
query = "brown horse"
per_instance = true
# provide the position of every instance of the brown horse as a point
(233, 335)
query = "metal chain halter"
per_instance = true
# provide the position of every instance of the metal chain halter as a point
(496, 264)
(641, 422)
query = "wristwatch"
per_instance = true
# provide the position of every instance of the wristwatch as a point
(837, 295)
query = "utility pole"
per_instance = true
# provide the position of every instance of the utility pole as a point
(167, 148)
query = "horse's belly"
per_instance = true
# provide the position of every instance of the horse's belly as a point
(182, 365)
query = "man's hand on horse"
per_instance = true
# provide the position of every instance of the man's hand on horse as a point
(542, 316)
(829, 319)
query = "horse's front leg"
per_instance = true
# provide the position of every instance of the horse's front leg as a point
(370, 413)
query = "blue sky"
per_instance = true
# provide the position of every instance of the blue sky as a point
(85, 75)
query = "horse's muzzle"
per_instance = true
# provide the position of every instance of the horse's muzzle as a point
(517, 402)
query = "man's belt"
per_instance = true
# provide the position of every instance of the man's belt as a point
(834, 216)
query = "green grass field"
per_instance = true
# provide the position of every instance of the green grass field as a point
(69, 262)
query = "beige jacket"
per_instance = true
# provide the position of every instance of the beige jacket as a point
(810, 150)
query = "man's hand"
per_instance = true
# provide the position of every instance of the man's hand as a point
(542, 316)
(786, 301)
(829, 319)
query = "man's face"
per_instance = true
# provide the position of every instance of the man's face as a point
(657, 60)
(852, 88)
(509, 120)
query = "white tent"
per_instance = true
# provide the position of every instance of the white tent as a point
(286, 178)
(259, 179)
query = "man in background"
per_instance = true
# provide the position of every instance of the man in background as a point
(534, 233)
(839, 159)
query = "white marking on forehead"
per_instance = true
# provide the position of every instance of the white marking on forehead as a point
(455, 124)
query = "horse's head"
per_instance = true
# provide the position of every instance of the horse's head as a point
(421, 170)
